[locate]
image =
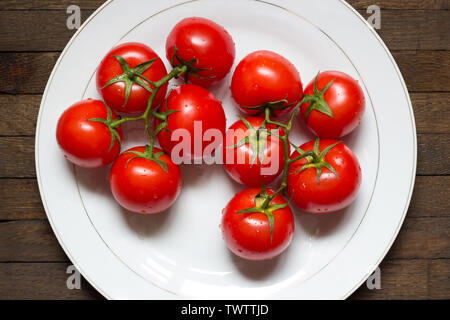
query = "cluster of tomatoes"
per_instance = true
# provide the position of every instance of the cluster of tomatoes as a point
(320, 176)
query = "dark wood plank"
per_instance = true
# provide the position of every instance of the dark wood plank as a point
(430, 197)
(20, 200)
(94, 4)
(38, 30)
(18, 156)
(431, 112)
(39, 281)
(414, 30)
(438, 281)
(400, 279)
(47, 31)
(424, 71)
(401, 4)
(410, 279)
(34, 241)
(29, 241)
(422, 238)
(26, 72)
(48, 4)
(416, 267)
(19, 113)
(433, 154)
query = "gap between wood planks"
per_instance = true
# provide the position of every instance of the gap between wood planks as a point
(419, 279)
(401, 29)
(27, 73)
(19, 113)
(34, 240)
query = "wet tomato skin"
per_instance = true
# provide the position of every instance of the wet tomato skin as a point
(204, 40)
(142, 186)
(86, 143)
(265, 76)
(194, 105)
(248, 173)
(333, 193)
(346, 101)
(248, 234)
(114, 95)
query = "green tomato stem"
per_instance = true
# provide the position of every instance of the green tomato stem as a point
(285, 140)
(175, 73)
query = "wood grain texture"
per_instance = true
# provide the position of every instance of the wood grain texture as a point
(52, 33)
(424, 70)
(418, 279)
(40, 281)
(32, 264)
(431, 112)
(27, 73)
(39, 30)
(94, 4)
(19, 113)
(439, 275)
(416, 240)
(20, 199)
(433, 154)
(29, 241)
(18, 156)
(401, 4)
(430, 197)
(396, 27)
(34, 241)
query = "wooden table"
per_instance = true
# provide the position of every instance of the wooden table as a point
(32, 35)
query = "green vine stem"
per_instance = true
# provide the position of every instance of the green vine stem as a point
(113, 124)
(285, 139)
(175, 73)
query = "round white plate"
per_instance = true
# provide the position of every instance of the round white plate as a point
(181, 254)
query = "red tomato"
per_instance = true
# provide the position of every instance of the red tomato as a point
(142, 185)
(132, 72)
(194, 111)
(330, 192)
(87, 143)
(265, 78)
(249, 235)
(344, 100)
(206, 47)
(243, 162)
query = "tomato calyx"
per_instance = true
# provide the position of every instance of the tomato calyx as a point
(110, 124)
(273, 106)
(132, 76)
(149, 155)
(263, 205)
(257, 139)
(315, 159)
(164, 116)
(317, 101)
(192, 68)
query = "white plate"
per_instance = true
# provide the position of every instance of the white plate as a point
(181, 254)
